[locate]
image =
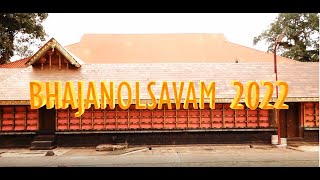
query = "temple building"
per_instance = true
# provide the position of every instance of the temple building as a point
(160, 58)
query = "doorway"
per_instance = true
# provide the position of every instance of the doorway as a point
(292, 120)
(47, 121)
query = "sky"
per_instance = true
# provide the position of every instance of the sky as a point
(240, 28)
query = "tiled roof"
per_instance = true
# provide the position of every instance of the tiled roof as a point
(166, 48)
(16, 64)
(5, 73)
(303, 79)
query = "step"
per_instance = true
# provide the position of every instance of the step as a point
(295, 138)
(42, 148)
(44, 138)
(42, 143)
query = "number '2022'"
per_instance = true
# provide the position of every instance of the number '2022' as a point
(252, 95)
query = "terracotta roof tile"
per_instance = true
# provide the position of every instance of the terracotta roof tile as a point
(303, 79)
(16, 64)
(166, 48)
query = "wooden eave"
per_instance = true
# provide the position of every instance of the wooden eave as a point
(52, 44)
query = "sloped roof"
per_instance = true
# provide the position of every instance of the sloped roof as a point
(5, 73)
(16, 64)
(303, 79)
(52, 44)
(166, 48)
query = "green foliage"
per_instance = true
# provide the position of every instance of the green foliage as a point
(18, 32)
(301, 36)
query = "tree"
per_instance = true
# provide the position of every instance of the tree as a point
(19, 32)
(301, 36)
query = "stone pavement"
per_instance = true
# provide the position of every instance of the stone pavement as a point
(168, 156)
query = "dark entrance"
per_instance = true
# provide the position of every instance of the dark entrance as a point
(289, 119)
(292, 120)
(47, 120)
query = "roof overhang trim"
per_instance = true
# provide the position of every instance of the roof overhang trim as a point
(52, 44)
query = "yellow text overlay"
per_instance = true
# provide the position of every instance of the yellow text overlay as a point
(52, 95)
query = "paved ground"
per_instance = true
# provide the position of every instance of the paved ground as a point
(171, 156)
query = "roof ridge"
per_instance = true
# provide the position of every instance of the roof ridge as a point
(20, 59)
(150, 33)
(72, 44)
(84, 37)
(261, 51)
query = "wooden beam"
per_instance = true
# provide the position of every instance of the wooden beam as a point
(211, 118)
(188, 117)
(1, 119)
(315, 114)
(38, 115)
(247, 116)
(67, 62)
(68, 112)
(59, 61)
(128, 118)
(152, 118)
(140, 118)
(56, 120)
(304, 115)
(271, 118)
(92, 118)
(116, 117)
(176, 117)
(223, 115)
(25, 118)
(200, 118)
(14, 117)
(235, 118)
(50, 55)
(301, 119)
(80, 121)
(104, 119)
(164, 116)
(258, 117)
